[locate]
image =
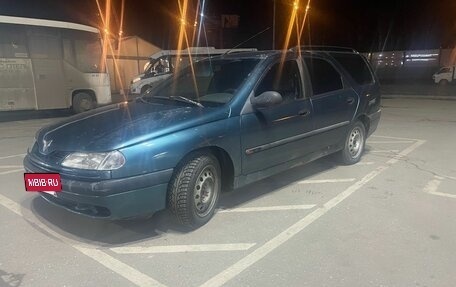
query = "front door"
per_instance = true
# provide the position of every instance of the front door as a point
(276, 135)
(46, 54)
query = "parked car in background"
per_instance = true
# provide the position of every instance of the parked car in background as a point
(163, 64)
(231, 121)
(444, 76)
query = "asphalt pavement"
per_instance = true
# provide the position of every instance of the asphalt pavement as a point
(386, 221)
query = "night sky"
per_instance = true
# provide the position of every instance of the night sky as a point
(365, 25)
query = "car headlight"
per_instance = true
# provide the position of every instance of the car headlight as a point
(137, 79)
(95, 161)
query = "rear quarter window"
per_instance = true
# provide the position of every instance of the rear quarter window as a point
(356, 66)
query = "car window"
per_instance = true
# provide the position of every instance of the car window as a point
(445, 70)
(323, 76)
(210, 81)
(356, 66)
(285, 80)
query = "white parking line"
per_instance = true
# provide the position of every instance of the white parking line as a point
(314, 181)
(259, 253)
(385, 150)
(389, 142)
(432, 186)
(182, 248)
(10, 166)
(125, 270)
(11, 171)
(14, 155)
(365, 163)
(136, 277)
(267, 208)
(394, 138)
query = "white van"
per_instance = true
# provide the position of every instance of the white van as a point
(444, 76)
(161, 65)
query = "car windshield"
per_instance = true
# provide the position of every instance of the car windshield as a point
(210, 82)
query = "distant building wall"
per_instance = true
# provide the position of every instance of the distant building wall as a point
(410, 64)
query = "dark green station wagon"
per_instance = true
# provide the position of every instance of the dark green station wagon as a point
(220, 124)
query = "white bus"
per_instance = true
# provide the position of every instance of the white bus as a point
(48, 64)
(161, 65)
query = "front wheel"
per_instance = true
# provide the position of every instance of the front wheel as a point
(354, 144)
(194, 190)
(83, 102)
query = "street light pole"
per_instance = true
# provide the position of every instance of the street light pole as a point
(273, 24)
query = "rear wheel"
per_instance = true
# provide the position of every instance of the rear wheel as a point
(354, 144)
(194, 190)
(83, 102)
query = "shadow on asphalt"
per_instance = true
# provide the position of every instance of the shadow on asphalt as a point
(111, 233)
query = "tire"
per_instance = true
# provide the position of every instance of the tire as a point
(355, 142)
(194, 190)
(443, 82)
(83, 102)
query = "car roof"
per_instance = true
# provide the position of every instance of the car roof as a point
(305, 51)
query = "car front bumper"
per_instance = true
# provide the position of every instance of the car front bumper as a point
(109, 199)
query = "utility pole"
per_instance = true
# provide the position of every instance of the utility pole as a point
(273, 24)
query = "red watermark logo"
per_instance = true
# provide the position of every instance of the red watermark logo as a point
(42, 182)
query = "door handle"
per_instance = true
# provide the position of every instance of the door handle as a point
(304, 113)
(350, 100)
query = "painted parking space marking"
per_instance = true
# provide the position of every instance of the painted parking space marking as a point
(433, 185)
(12, 171)
(394, 138)
(12, 156)
(182, 248)
(268, 208)
(389, 142)
(126, 271)
(385, 150)
(10, 166)
(317, 181)
(365, 163)
(262, 251)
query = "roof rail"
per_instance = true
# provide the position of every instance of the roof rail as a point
(325, 48)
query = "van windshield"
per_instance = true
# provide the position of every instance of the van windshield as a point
(214, 82)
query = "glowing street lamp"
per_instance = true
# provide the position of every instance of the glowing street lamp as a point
(295, 5)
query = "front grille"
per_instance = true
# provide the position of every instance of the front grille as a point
(55, 157)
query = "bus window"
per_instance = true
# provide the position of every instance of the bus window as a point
(88, 55)
(68, 52)
(12, 43)
(44, 47)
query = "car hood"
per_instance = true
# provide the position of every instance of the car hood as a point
(120, 125)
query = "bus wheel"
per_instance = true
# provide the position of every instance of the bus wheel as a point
(83, 102)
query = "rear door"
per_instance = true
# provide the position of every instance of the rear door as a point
(277, 134)
(333, 101)
(362, 80)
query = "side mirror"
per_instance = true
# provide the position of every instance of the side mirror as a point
(266, 100)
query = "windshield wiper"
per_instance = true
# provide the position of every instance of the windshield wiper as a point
(181, 99)
(187, 100)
